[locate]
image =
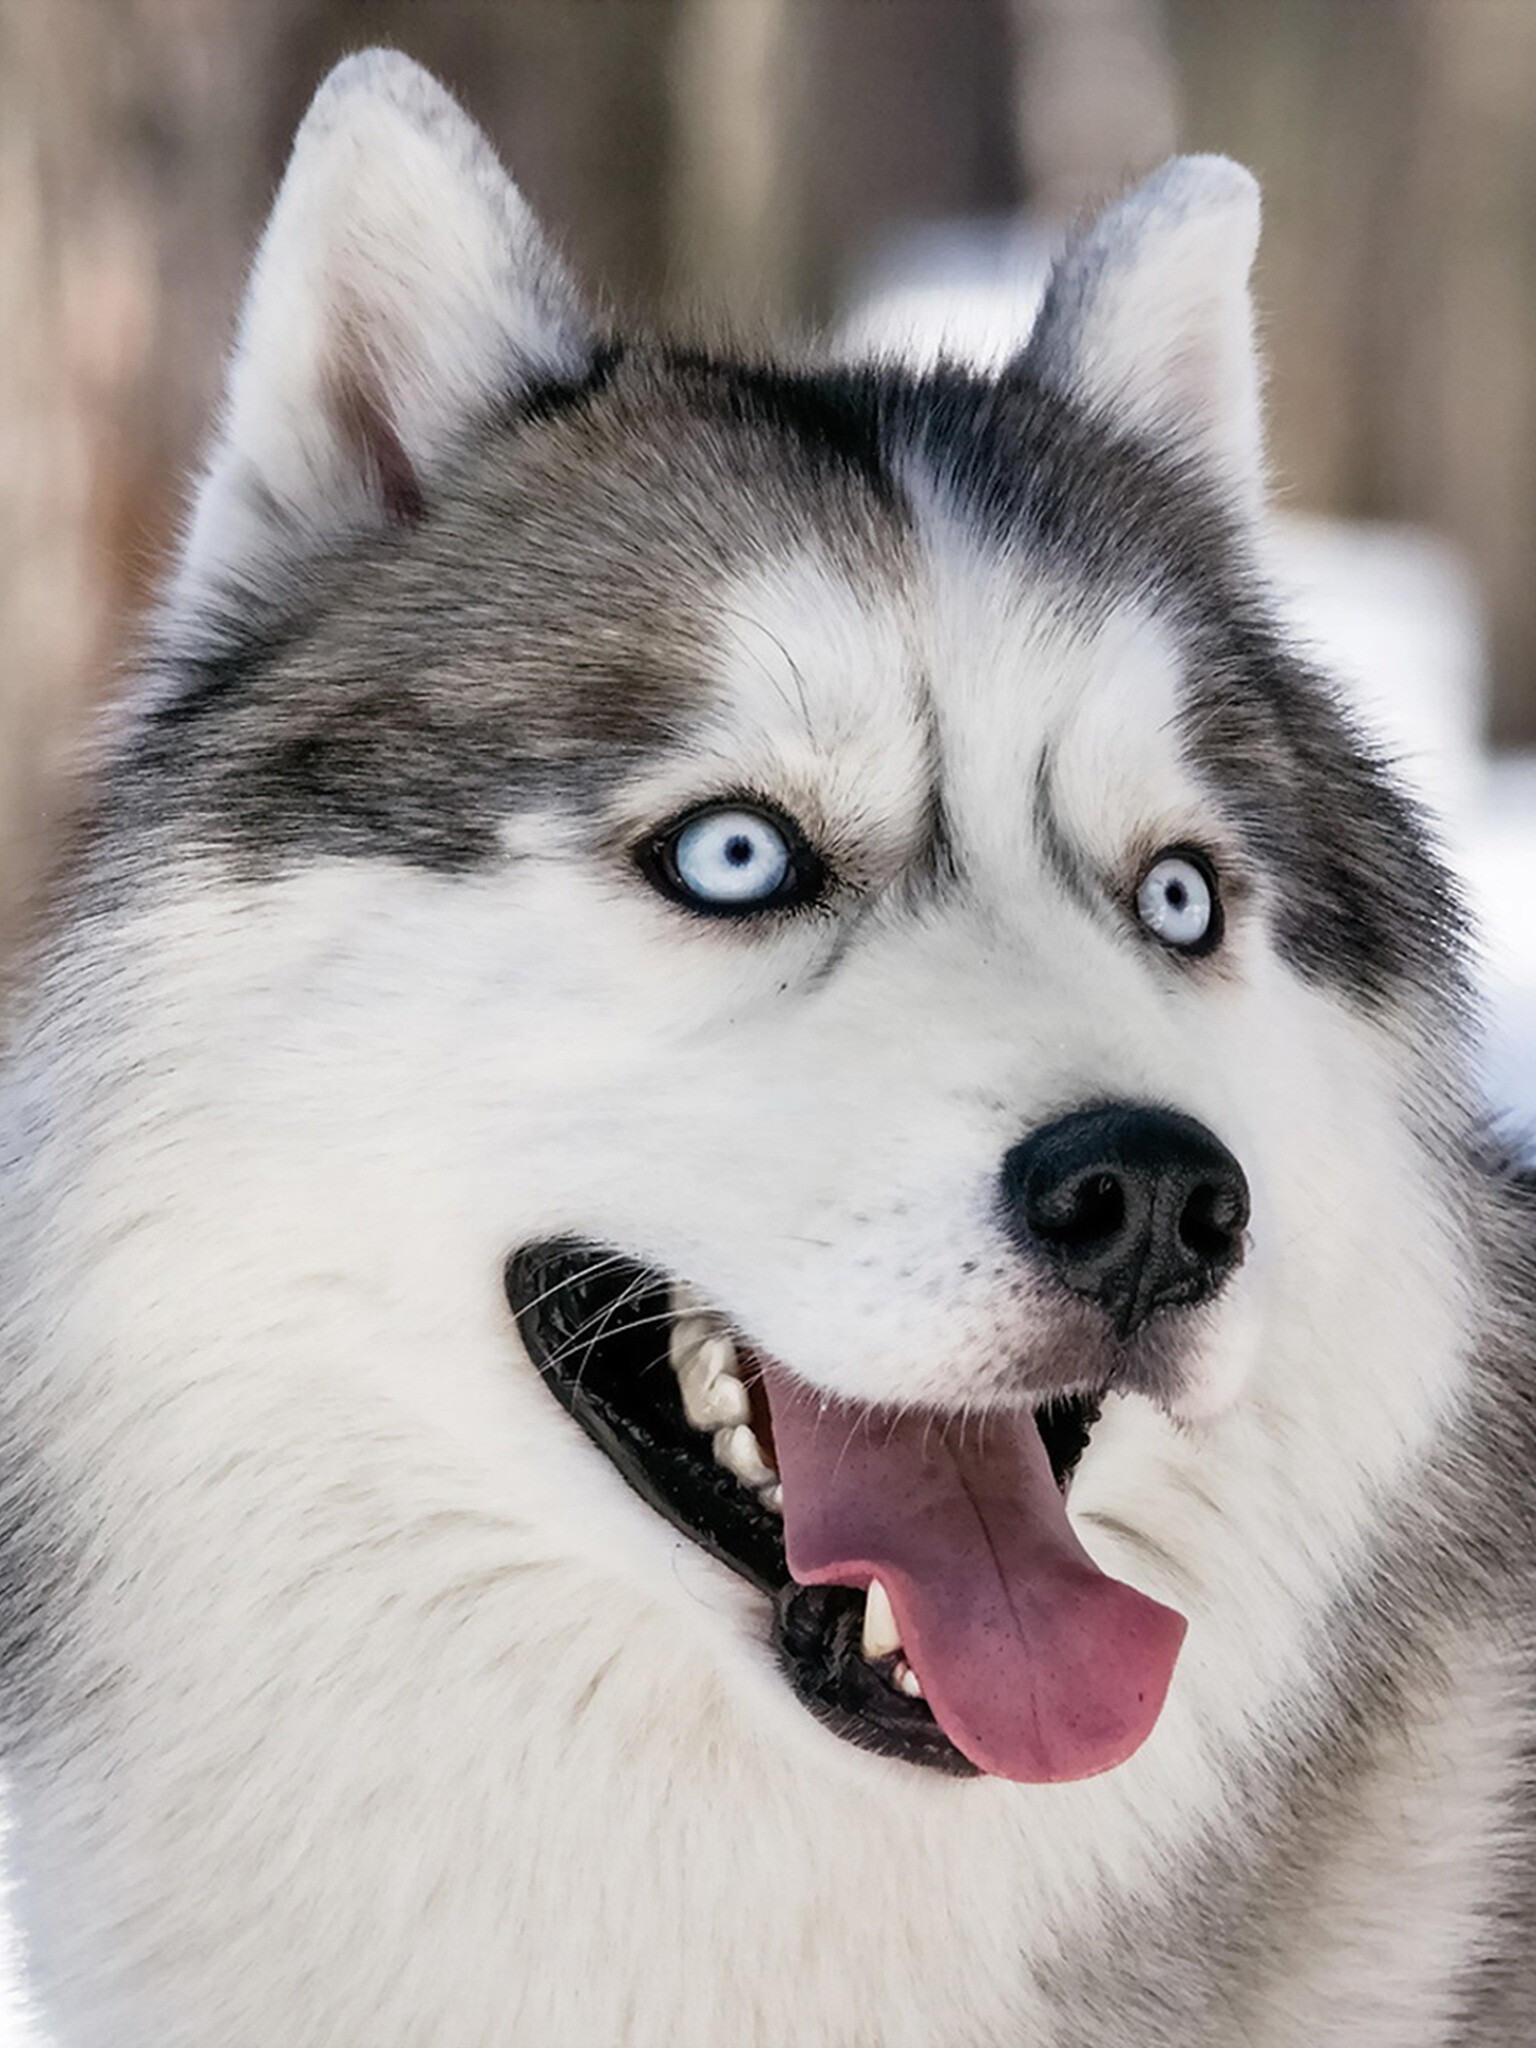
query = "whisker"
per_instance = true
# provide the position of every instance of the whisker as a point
(581, 1279)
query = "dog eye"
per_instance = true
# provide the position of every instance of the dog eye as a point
(729, 859)
(1176, 900)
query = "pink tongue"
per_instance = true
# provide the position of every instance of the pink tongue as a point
(1036, 1665)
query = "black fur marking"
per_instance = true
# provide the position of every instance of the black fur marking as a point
(202, 685)
(832, 418)
(1363, 904)
(532, 639)
(1067, 863)
(543, 402)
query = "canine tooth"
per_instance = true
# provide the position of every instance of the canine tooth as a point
(907, 1680)
(694, 1323)
(689, 1336)
(690, 1331)
(715, 1356)
(696, 1332)
(712, 1399)
(703, 1358)
(881, 1635)
(739, 1451)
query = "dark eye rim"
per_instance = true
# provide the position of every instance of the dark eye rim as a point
(1214, 932)
(805, 879)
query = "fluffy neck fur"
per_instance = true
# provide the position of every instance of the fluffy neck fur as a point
(368, 1706)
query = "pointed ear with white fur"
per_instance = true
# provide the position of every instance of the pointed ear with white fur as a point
(1147, 321)
(402, 290)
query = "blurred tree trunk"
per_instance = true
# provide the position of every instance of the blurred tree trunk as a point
(128, 145)
(1396, 141)
(1097, 100)
(902, 115)
(732, 207)
(1457, 439)
(808, 130)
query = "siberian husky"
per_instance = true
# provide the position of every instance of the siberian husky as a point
(749, 1290)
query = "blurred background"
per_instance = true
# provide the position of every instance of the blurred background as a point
(896, 170)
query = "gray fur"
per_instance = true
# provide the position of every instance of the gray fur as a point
(616, 508)
(404, 712)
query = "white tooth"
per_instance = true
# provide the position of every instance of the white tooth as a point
(712, 1399)
(688, 1333)
(694, 1333)
(906, 1678)
(739, 1451)
(881, 1635)
(717, 1354)
(693, 1323)
(704, 1358)
(772, 1498)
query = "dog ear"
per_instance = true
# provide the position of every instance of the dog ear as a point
(401, 291)
(1147, 321)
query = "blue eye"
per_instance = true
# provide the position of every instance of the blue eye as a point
(1176, 901)
(730, 858)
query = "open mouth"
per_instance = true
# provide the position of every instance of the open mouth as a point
(930, 1602)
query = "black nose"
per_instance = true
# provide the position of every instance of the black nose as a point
(1136, 1208)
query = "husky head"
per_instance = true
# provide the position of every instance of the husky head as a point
(804, 920)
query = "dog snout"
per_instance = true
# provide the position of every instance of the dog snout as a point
(1133, 1208)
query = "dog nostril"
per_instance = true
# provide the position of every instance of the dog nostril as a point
(1082, 1213)
(1212, 1220)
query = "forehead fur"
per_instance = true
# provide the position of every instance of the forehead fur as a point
(551, 628)
(577, 549)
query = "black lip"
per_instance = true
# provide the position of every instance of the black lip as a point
(595, 1326)
(818, 1632)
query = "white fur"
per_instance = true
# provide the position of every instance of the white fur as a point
(454, 1707)
(1384, 1927)
(1148, 320)
(392, 1716)
(401, 268)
